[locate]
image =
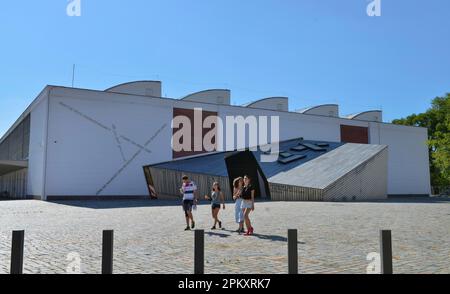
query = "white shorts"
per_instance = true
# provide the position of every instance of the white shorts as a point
(246, 204)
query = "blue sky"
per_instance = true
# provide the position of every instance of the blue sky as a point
(314, 51)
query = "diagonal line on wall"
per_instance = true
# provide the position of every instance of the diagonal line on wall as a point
(126, 164)
(106, 128)
(119, 144)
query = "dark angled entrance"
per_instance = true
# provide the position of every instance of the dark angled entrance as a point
(244, 163)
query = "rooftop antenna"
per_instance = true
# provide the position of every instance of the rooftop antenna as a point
(73, 75)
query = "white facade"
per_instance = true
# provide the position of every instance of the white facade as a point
(38, 144)
(95, 143)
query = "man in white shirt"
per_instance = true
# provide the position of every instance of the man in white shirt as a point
(189, 189)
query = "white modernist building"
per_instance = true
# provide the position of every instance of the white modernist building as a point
(72, 143)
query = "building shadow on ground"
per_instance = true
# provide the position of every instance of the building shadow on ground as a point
(112, 204)
(415, 199)
(132, 203)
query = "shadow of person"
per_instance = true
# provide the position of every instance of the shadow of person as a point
(274, 238)
(221, 235)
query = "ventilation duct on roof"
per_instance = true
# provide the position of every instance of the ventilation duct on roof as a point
(215, 96)
(143, 88)
(372, 115)
(271, 103)
(325, 110)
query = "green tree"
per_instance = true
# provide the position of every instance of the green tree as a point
(437, 120)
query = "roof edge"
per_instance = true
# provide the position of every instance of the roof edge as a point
(27, 111)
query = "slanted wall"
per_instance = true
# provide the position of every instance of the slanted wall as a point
(167, 183)
(366, 182)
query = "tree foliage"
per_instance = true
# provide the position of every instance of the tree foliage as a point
(437, 120)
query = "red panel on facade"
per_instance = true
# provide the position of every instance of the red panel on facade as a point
(353, 134)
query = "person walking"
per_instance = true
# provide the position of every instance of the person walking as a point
(248, 203)
(216, 199)
(188, 190)
(238, 185)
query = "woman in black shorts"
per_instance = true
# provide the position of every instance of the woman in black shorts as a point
(216, 198)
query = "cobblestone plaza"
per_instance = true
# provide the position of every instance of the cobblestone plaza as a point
(149, 236)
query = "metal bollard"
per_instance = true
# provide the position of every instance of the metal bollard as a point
(199, 252)
(386, 252)
(107, 252)
(292, 252)
(17, 252)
